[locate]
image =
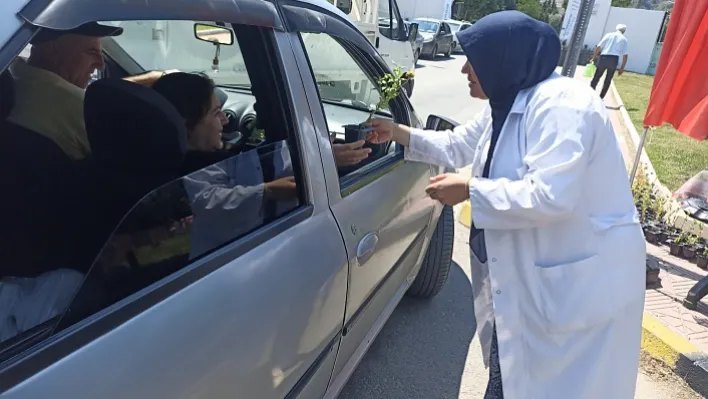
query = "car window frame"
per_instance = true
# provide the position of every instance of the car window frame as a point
(367, 174)
(45, 349)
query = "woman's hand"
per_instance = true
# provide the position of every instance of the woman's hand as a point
(449, 188)
(384, 130)
(350, 153)
(281, 189)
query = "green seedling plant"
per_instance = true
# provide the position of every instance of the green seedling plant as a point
(692, 240)
(390, 86)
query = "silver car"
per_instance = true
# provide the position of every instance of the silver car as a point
(264, 269)
(457, 26)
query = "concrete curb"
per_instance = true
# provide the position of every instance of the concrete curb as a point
(629, 125)
(683, 357)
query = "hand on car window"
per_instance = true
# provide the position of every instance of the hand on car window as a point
(350, 153)
(281, 189)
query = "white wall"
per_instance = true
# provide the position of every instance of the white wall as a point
(643, 28)
(598, 20)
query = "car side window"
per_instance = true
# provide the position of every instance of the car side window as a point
(349, 96)
(160, 189)
(186, 219)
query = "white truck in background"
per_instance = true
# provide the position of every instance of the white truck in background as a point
(435, 9)
(382, 23)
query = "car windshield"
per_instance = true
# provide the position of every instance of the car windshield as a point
(154, 45)
(427, 26)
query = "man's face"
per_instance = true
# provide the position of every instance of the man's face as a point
(76, 57)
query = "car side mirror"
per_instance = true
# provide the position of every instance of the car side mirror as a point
(413, 32)
(345, 6)
(214, 34)
(439, 123)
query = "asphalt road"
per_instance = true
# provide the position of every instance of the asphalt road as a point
(428, 348)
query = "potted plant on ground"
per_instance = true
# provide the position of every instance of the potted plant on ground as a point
(689, 249)
(702, 259)
(677, 244)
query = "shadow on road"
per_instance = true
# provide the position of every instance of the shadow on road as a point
(422, 349)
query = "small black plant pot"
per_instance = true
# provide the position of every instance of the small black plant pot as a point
(652, 236)
(663, 237)
(702, 261)
(675, 249)
(354, 133)
(688, 252)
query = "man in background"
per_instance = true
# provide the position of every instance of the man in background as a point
(611, 48)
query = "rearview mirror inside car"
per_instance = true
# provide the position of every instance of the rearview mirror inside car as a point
(413, 32)
(344, 6)
(214, 34)
(440, 123)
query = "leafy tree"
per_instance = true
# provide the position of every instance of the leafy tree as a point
(622, 3)
(556, 21)
(554, 7)
(477, 9)
(532, 8)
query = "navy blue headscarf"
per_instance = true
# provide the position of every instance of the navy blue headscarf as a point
(509, 52)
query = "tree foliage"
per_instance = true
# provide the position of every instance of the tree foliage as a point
(532, 8)
(476, 9)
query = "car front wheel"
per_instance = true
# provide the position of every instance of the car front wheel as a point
(436, 265)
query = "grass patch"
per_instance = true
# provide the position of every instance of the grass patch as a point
(675, 157)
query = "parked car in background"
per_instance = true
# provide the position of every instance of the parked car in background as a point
(263, 272)
(417, 44)
(437, 37)
(456, 26)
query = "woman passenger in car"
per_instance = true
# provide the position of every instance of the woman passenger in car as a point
(228, 192)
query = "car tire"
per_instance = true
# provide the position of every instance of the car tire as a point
(408, 87)
(435, 269)
(434, 52)
(416, 56)
(449, 51)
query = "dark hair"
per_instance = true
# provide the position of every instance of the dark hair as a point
(190, 93)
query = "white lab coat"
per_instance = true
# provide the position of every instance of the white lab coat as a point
(566, 255)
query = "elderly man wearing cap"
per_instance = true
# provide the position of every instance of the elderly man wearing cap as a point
(611, 47)
(50, 84)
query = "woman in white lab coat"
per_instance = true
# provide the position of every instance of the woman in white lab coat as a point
(558, 255)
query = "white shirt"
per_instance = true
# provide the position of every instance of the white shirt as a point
(613, 44)
(566, 255)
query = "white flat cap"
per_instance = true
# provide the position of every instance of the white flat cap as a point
(621, 27)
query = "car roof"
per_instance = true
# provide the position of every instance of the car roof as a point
(428, 19)
(68, 14)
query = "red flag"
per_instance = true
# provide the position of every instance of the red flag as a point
(679, 94)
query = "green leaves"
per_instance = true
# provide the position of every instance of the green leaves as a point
(390, 86)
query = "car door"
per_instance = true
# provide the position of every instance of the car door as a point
(393, 44)
(215, 284)
(381, 208)
(446, 34)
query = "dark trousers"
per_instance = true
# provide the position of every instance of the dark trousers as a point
(606, 64)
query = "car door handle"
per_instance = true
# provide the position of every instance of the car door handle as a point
(366, 247)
